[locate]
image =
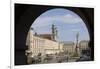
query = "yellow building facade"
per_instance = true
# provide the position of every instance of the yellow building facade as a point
(69, 47)
(83, 45)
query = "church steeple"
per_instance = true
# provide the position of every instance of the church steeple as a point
(54, 32)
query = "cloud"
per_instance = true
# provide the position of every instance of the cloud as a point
(75, 30)
(69, 18)
(48, 20)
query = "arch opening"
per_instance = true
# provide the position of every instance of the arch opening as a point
(55, 30)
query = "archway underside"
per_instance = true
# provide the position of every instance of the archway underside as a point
(24, 18)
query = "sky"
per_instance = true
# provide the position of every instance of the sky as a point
(67, 22)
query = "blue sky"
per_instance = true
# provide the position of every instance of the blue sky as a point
(67, 22)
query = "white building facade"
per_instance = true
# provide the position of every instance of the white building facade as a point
(44, 46)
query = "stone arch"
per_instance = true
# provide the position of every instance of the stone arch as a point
(26, 14)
